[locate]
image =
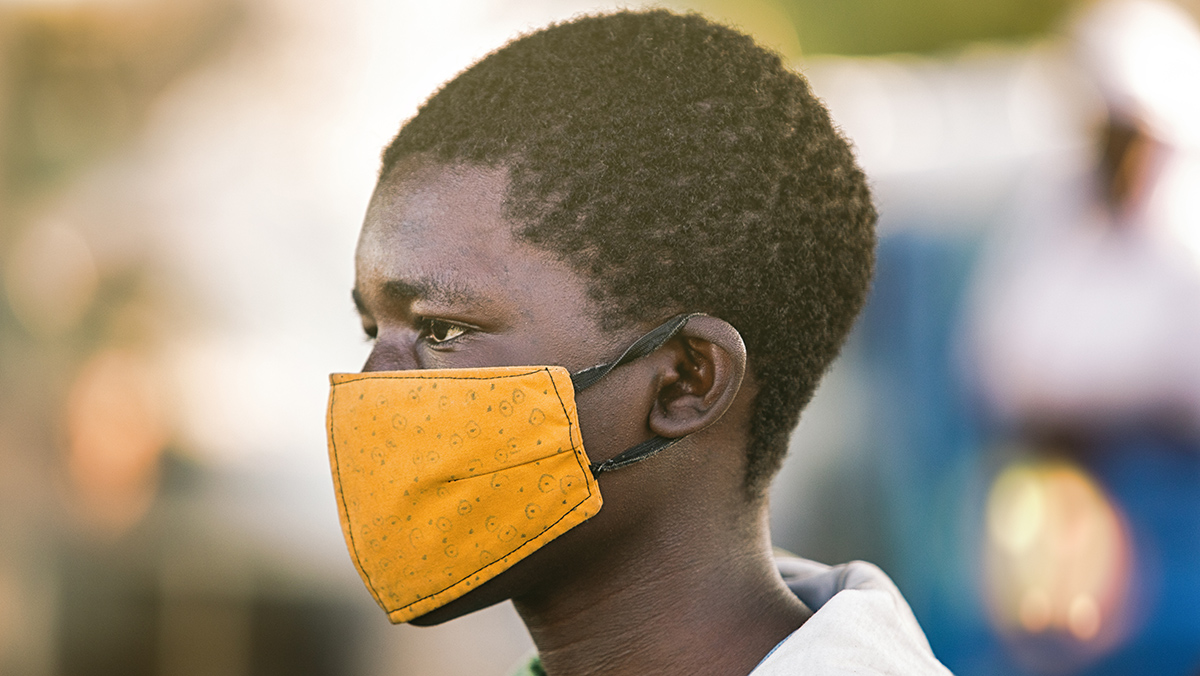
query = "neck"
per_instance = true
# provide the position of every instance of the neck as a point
(705, 601)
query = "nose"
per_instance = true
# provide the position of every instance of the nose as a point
(393, 351)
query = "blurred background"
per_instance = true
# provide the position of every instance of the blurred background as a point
(1013, 432)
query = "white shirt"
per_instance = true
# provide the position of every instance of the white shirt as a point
(861, 625)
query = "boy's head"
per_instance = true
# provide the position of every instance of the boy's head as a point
(676, 166)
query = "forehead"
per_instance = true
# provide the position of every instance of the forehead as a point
(444, 227)
(429, 214)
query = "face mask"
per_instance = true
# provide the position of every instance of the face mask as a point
(447, 478)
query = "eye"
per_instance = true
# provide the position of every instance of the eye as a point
(438, 331)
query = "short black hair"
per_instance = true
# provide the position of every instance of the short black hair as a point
(678, 166)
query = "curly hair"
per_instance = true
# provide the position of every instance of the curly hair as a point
(677, 166)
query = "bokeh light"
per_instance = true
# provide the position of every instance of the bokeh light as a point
(1057, 557)
(117, 427)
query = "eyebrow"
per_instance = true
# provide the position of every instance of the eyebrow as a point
(425, 288)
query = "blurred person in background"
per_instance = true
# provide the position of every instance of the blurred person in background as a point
(643, 191)
(1090, 314)
(1085, 344)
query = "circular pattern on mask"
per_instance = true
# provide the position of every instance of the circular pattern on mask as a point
(457, 505)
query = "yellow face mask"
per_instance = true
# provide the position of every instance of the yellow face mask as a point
(447, 478)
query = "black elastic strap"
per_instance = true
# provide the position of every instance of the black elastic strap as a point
(581, 380)
(646, 449)
(643, 346)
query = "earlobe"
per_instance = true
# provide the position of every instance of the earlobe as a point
(703, 379)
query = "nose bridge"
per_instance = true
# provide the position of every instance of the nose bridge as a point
(395, 350)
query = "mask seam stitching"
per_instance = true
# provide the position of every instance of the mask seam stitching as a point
(342, 499)
(354, 377)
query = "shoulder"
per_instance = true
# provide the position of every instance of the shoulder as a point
(861, 625)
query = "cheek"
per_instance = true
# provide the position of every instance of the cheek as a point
(614, 413)
(390, 355)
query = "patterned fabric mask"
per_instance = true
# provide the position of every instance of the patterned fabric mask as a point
(447, 478)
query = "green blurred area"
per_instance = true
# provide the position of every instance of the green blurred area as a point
(872, 27)
(864, 27)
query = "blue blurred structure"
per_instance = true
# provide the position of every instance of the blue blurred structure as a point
(925, 436)
(1156, 481)
(935, 449)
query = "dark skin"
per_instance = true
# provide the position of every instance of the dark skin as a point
(678, 561)
(1129, 161)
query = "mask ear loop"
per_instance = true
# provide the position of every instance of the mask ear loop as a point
(581, 380)
(643, 346)
(643, 451)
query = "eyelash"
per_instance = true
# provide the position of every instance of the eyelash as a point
(429, 328)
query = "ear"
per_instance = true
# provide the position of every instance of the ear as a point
(702, 378)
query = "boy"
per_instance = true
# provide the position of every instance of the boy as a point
(651, 212)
